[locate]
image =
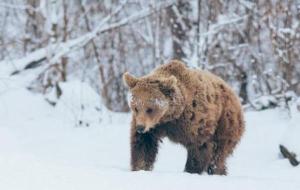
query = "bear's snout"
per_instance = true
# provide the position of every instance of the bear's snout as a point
(140, 129)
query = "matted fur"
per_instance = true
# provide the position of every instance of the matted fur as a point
(201, 112)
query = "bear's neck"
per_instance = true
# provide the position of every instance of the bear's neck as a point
(176, 107)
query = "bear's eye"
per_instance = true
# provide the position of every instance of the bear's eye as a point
(136, 110)
(149, 110)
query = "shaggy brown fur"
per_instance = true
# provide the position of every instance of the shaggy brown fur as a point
(189, 106)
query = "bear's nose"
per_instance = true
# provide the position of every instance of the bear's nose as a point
(140, 129)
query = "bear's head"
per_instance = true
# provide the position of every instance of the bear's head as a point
(153, 100)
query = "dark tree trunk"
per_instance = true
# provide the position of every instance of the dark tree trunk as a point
(243, 90)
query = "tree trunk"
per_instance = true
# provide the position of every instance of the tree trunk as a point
(179, 27)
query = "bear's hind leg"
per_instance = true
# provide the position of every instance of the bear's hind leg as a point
(192, 163)
(198, 159)
(144, 148)
(223, 150)
(227, 136)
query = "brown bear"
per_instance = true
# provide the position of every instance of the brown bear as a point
(189, 106)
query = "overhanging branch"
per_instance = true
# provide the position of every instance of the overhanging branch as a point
(62, 49)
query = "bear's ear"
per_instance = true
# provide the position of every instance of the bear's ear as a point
(167, 86)
(130, 80)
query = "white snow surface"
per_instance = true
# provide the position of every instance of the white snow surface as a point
(41, 147)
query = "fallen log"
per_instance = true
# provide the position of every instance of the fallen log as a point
(289, 155)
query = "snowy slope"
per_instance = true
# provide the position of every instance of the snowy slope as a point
(44, 147)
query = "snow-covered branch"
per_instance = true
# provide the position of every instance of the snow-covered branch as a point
(223, 23)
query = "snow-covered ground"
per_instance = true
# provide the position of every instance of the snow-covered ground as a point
(45, 147)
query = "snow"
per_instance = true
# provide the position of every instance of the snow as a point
(79, 104)
(43, 147)
(291, 137)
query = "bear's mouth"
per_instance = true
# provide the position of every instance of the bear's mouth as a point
(140, 129)
(143, 130)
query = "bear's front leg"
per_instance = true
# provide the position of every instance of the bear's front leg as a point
(144, 148)
(198, 158)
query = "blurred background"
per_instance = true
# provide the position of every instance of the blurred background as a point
(252, 44)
